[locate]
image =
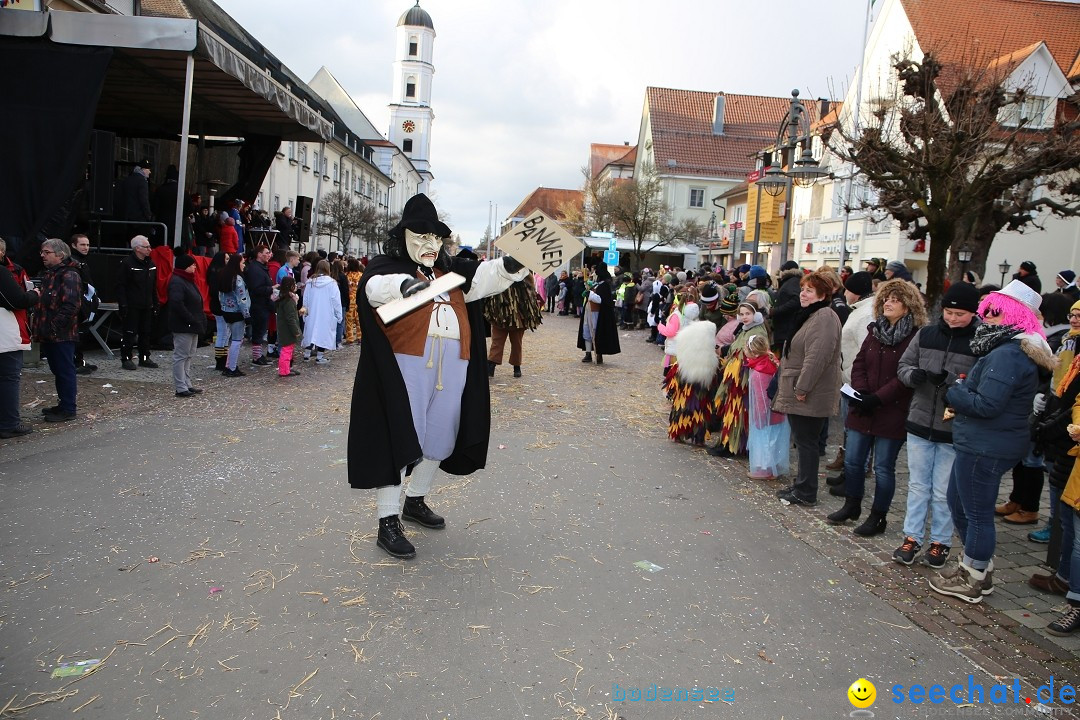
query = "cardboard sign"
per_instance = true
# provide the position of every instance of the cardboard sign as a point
(540, 244)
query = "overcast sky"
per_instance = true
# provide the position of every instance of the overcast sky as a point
(522, 87)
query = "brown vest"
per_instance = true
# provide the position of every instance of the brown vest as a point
(408, 334)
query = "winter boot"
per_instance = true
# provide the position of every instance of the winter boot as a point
(587, 358)
(599, 359)
(517, 371)
(220, 353)
(874, 524)
(851, 510)
(416, 510)
(838, 461)
(392, 538)
(491, 369)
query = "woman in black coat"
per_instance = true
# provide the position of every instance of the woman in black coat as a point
(597, 329)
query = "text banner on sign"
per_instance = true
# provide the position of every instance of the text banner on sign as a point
(540, 244)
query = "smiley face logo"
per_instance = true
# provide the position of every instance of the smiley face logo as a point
(862, 693)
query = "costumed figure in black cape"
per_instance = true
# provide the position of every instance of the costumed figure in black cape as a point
(420, 400)
(597, 330)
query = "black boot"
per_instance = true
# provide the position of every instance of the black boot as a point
(851, 510)
(587, 358)
(219, 363)
(874, 524)
(599, 359)
(517, 371)
(491, 369)
(416, 510)
(392, 538)
(836, 480)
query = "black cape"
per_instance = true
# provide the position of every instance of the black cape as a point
(607, 333)
(382, 439)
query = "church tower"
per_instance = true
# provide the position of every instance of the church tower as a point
(410, 106)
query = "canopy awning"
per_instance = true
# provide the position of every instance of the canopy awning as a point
(143, 94)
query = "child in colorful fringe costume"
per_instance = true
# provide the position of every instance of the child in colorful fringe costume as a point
(690, 383)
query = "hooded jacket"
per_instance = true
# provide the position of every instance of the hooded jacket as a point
(14, 300)
(935, 348)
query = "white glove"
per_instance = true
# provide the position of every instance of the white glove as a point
(1039, 404)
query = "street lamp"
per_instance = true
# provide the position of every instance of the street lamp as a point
(964, 256)
(1004, 268)
(794, 130)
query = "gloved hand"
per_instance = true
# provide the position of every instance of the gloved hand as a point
(868, 403)
(917, 376)
(511, 265)
(938, 378)
(1039, 404)
(411, 286)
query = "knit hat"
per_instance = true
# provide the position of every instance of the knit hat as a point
(1068, 276)
(1028, 266)
(743, 269)
(184, 261)
(860, 283)
(896, 266)
(756, 271)
(1021, 292)
(710, 292)
(961, 296)
(729, 303)
(789, 265)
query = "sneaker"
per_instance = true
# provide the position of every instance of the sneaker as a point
(788, 497)
(936, 556)
(392, 538)
(184, 394)
(1067, 624)
(905, 554)
(60, 416)
(50, 410)
(17, 431)
(1040, 536)
(417, 511)
(291, 373)
(194, 390)
(307, 356)
(148, 363)
(961, 583)
(85, 369)
(1049, 583)
(128, 365)
(234, 373)
(322, 361)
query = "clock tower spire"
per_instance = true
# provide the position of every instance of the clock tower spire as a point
(410, 106)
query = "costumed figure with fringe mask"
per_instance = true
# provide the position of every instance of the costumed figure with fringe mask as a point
(729, 405)
(420, 400)
(690, 383)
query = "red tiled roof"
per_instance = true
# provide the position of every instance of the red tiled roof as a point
(601, 155)
(550, 200)
(974, 32)
(682, 130)
(1074, 72)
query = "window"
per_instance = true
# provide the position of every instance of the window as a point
(259, 201)
(697, 197)
(277, 203)
(412, 47)
(292, 151)
(324, 166)
(336, 177)
(292, 202)
(406, 145)
(410, 87)
(315, 161)
(303, 155)
(1033, 112)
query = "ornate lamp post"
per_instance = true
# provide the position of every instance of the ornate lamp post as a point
(805, 171)
(1004, 268)
(964, 256)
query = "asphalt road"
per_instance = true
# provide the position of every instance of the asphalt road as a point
(591, 553)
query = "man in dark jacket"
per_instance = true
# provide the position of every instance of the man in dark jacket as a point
(186, 323)
(1028, 275)
(286, 227)
(1066, 285)
(551, 290)
(136, 296)
(165, 199)
(936, 356)
(133, 194)
(786, 304)
(260, 287)
(80, 251)
(56, 324)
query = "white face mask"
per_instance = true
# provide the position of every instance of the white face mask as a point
(420, 245)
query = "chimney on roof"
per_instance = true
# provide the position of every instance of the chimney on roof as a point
(824, 105)
(626, 143)
(718, 115)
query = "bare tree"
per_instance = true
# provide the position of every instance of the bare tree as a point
(640, 214)
(340, 217)
(955, 158)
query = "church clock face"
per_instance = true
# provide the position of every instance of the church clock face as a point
(408, 126)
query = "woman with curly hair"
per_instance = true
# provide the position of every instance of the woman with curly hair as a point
(878, 414)
(511, 313)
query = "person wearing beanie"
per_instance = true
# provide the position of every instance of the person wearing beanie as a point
(1029, 275)
(938, 354)
(991, 429)
(186, 323)
(876, 268)
(786, 303)
(897, 269)
(420, 400)
(742, 275)
(729, 303)
(709, 302)
(1066, 284)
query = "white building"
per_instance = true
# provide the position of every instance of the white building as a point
(410, 107)
(1035, 39)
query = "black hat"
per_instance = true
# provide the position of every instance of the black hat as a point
(961, 296)
(184, 261)
(1028, 266)
(710, 292)
(420, 216)
(789, 265)
(145, 164)
(860, 283)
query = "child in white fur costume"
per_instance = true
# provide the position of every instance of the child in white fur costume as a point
(691, 383)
